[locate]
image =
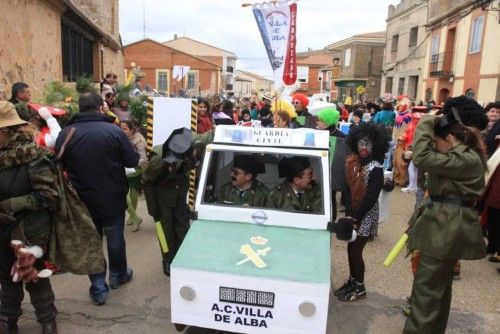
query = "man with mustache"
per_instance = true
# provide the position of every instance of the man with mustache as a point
(299, 191)
(244, 189)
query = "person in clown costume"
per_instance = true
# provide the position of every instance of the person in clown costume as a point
(403, 118)
(280, 109)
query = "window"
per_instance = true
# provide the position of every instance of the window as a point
(388, 85)
(413, 36)
(401, 86)
(394, 44)
(329, 80)
(162, 80)
(191, 80)
(476, 35)
(302, 74)
(219, 189)
(434, 49)
(347, 57)
(412, 86)
(428, 94)
(469, 93)
(77, 54)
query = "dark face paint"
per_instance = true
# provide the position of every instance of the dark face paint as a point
(365, 147)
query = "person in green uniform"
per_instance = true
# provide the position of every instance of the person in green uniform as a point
(299, 191)
(166, 181)
(446, 228)
(244, 189)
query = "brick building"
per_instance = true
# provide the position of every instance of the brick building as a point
(225, 59)
(47, 40)
(157, 61)
(358, 66)
(309, 75)
(461, 56)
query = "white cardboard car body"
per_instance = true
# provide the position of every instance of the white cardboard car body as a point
(215, 284)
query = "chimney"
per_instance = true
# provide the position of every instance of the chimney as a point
(175, 36)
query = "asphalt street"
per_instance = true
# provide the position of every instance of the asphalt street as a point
(143, 305)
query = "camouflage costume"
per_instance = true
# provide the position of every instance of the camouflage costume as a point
(284, 197)
(27, 193)
(255, 196)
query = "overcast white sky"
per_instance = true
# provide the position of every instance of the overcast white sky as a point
(229, 26)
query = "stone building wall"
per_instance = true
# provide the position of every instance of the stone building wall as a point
(25, 54)
(32, 48)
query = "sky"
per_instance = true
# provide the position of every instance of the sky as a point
(229, 26)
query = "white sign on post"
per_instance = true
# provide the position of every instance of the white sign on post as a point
(169, 114)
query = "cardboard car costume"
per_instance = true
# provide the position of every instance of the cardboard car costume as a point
(256, 269)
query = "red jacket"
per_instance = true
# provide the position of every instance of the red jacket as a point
(205, 123)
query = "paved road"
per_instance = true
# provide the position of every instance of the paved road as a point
(143, 306)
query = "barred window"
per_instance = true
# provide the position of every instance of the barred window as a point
(77, 54)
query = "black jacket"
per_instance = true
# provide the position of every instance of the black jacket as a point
(491, 146)
(95, 159)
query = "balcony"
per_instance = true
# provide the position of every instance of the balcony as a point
(440, 65)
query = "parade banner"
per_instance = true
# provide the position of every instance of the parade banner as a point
(277, 26)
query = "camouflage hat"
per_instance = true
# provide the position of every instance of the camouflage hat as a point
(8, 115)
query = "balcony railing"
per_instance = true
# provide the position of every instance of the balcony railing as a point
(440, 65)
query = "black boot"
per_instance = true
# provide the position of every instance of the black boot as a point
(8, 325)
(166, 268)
(49, 327)
(180, 327)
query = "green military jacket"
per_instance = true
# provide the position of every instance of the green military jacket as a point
(164, 184)
(255, 196)
(283, 197)
(446, 230)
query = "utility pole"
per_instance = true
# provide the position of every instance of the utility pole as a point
(144, 19)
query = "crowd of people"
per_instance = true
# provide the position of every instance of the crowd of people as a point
(440, 153)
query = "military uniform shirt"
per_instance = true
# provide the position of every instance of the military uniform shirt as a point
(283, 197)
(254, 196)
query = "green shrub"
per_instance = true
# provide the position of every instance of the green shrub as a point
(58, 92)
(138, 108)
(86, 85)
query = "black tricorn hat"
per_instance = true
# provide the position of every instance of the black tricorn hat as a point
(178, 145)
(292, 167)
(446, 121)
(249, 164)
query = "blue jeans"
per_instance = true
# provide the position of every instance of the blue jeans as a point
(112, 228)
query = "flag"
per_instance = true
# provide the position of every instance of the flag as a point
(277, 26)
